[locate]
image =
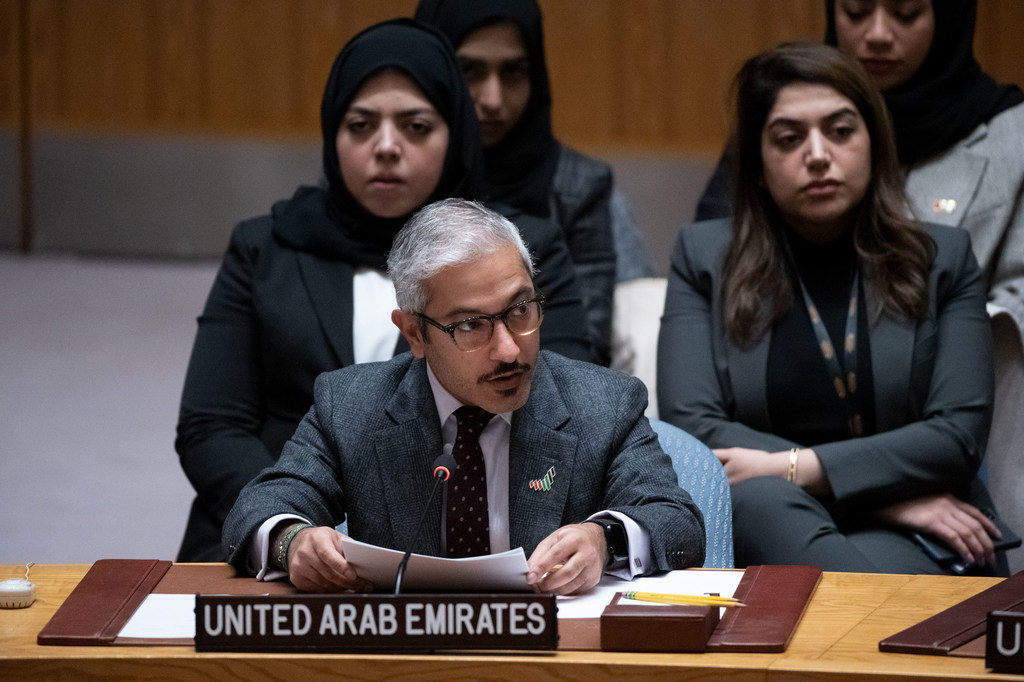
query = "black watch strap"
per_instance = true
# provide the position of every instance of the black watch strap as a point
(618, 544)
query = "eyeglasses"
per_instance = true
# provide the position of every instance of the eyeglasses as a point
(473, 333)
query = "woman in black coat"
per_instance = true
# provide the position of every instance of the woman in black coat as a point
(500, 46)
(303, 290)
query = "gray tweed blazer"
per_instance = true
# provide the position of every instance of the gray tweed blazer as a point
(364, 451)
(978, 185)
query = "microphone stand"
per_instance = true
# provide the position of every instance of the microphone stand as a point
(442, 470)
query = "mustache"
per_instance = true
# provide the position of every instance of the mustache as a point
(505, 368)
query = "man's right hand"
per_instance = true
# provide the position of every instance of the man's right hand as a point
(316, 563)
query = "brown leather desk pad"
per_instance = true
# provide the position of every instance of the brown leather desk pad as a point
(104, 600)
(960, 629)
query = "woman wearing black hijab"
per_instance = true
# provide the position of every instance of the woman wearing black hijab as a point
(524, 165)
(303, 290)
(959, 134)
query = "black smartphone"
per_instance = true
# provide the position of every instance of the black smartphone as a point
(946, 556)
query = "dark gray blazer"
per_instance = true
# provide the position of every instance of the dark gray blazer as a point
(933, 381)
(365, 449)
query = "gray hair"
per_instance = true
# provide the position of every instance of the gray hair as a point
(445, 233)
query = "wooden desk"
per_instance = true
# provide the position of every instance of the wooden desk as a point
(837, 639)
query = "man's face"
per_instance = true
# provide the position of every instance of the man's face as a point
(497, 70)
(496, 377)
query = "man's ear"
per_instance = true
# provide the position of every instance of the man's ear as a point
(409, 325)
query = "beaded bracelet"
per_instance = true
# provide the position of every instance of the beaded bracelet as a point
(284, 542)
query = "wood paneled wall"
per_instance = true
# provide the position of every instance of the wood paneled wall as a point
(10, 62)
(628, 75)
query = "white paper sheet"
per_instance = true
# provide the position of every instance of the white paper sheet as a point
(163, 616)
(490, 573)
(172, 616)
(591, 604)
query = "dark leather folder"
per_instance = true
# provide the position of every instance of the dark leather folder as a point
(959, 625)
(103, 601)
(113, 589)
(776, 598)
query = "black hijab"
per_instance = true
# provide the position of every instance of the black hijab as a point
(332, 222)
(950, 95)
(518, 171)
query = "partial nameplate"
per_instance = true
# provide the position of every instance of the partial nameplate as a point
(1004, 642)
(360, 622)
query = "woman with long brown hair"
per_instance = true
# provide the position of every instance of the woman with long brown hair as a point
(833, 352)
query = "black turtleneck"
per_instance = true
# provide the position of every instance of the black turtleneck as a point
(802, 403)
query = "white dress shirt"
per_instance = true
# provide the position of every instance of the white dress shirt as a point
(374, 335)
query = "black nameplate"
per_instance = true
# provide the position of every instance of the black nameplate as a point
(377, 622)
(1004, 642)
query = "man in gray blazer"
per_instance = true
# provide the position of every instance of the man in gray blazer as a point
(574, 472)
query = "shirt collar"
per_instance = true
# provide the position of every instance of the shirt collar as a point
(447, 403)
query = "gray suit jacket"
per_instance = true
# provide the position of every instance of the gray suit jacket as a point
(364, 452)
(978, 184)
(932, 380)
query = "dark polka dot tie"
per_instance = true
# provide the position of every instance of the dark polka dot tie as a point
(467, 520)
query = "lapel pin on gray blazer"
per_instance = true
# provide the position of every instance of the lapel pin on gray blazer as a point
(543, 484)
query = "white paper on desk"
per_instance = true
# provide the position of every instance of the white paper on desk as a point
(172, 616)
(490, 573)
(163, 616)
(591, 604)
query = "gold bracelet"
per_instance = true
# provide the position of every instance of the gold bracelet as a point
(794, 455)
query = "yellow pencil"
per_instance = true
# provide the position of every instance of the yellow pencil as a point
(684, 599)
(551, 570)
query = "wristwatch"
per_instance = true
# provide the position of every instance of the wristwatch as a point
(615, 538)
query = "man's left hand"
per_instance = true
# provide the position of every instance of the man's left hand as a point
(568, 561)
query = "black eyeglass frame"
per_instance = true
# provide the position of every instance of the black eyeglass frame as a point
(449, 329)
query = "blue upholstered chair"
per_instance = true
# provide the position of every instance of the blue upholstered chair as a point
(701, 474)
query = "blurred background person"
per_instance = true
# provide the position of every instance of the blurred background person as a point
(500, 47)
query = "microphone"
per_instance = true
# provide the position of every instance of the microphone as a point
(442, 470)
(444, 464)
